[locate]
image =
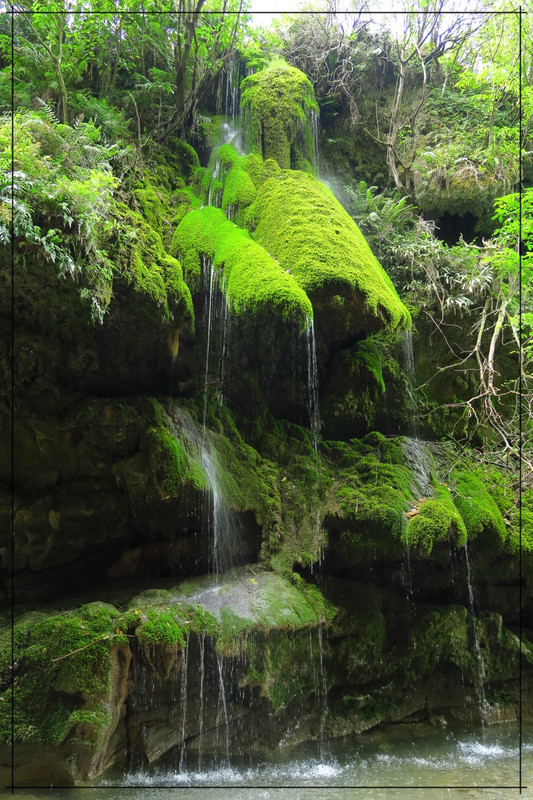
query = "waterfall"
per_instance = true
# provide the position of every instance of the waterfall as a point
(312, 384)
(479, 661)
(222, 704)
(183, 693)
(217, 325)
(410, 372)
(224, 529)
(314, 128)
(201, 642)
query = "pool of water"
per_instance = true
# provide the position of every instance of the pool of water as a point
(403, 761)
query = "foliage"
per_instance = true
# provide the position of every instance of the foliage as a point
(61, 194)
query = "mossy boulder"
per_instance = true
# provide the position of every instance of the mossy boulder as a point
(302, 225)
(251, 279)
(278, 103)
(67, 684)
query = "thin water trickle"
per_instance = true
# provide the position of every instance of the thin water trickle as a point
(312, 384)
(184, 664)
(208, 277)
(324, 748)
(214, 177)
(479, 660)
(201, 642)
(222, 705)
(314, 127)
(410, 372)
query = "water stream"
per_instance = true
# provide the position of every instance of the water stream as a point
(479, 660)
(442, 763)
(409, 366)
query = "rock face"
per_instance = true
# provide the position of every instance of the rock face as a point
(196, 570)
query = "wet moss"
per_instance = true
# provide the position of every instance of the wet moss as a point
(475, 503)
(141, 262)
(62, 674)
(437, 520)
(251, 279)
(303, 226)
(172, 462)
(277, 103)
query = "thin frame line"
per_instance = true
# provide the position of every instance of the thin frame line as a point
(12, 560)
(520, 390)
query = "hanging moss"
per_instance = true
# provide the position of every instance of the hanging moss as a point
(277, 103)
(477, 507)
(141, 261)
(252, 280)
(299, 221)
(437, 520)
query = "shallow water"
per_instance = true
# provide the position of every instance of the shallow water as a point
(404, 761)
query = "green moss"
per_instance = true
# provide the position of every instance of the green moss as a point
(155, 616)
(140, 261)
(373, 489)
(149, 200)
(254, 167)
(370, 354)
(303, 226)
(63, 670)
(186, 156)
(239, 192)
(164, 625)
(172, 463)
(475, 503)
(252, 280)
(233, 631)
(437, 520)
(277, 103)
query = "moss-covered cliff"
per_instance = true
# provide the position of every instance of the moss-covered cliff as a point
(180, 522)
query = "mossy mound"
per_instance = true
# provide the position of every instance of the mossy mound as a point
(303, 226)
(61, 682)
(251, 279)
(278, 103)
(436, 519)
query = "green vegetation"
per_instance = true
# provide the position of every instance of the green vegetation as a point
(63, 674)
(134, 173)
(302, 225)
(252, 280)
(277, 103)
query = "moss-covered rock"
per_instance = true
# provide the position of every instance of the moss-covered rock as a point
(278, 103)
(301, 224)
(251, 279)
(434, 520)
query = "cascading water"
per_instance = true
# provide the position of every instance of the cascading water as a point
(213, 198)
(201, 642)
(314, 128)
(222, 705)
(183, 698)
(222, 526)
(312, 384)
(479, 660)
(216, 314)
(410, 372)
